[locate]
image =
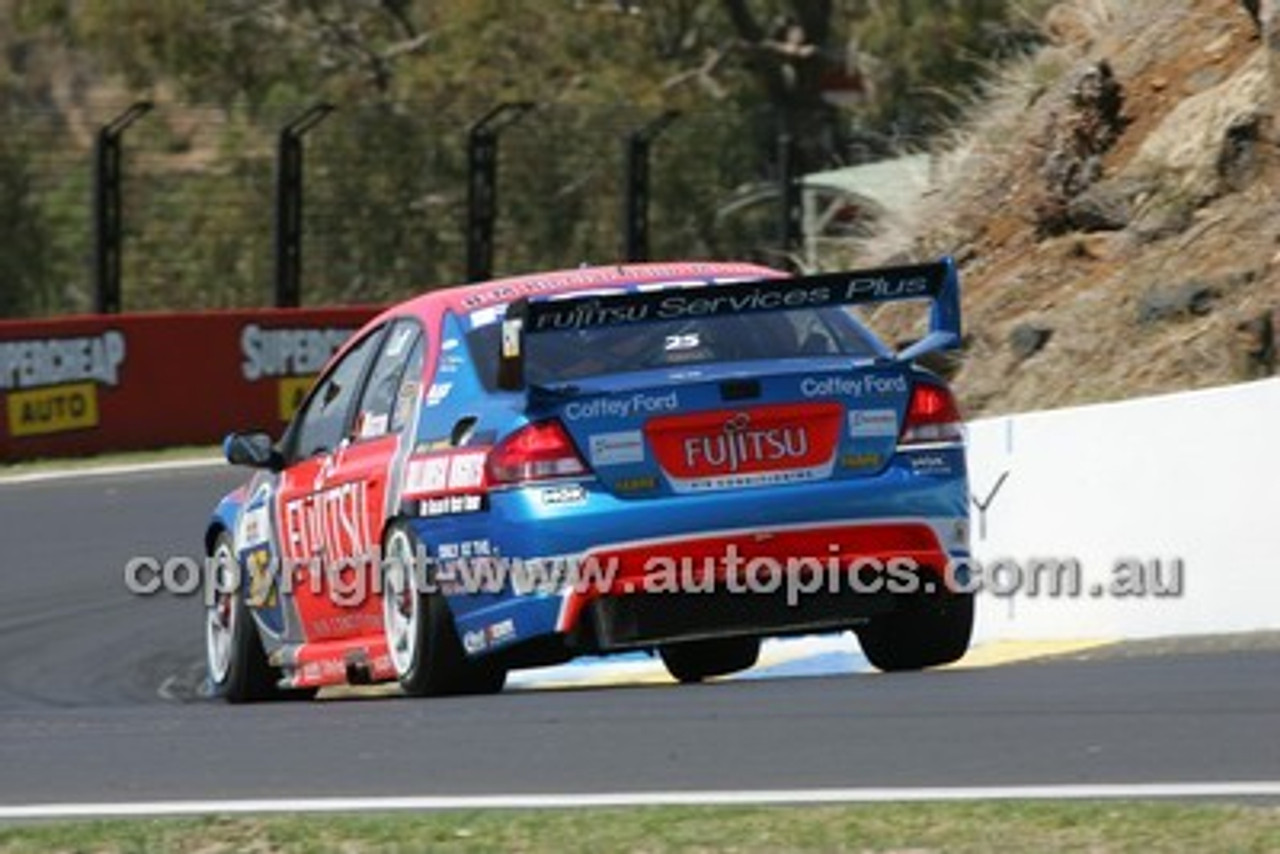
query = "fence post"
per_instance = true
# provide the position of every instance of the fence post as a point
(789, 190)
(482, 185)
(288, 220)
(107, 231)
(635, 197)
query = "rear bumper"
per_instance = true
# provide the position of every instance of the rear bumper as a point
(899, 513)
(766, 581)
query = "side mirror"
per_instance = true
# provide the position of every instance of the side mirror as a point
(255, 450)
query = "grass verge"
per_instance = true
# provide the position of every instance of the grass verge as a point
(979, 827)
(104, 460)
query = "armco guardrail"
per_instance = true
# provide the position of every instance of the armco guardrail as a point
(1169, 506)
(83, 385)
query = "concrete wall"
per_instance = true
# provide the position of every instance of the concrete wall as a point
(1193, 476)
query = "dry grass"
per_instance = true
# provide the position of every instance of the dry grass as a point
(1186, 59)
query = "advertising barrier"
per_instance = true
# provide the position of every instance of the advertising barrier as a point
(84, 385)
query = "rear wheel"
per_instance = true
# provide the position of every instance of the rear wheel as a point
(695, 661)
(421, 638)
(236, 662)
(927, 633)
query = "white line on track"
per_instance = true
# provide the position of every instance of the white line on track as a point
(766, 797)
(75, 473)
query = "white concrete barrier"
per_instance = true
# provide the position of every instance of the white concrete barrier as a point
(1184, 483)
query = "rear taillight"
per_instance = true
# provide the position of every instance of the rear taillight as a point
(932, 417)
(539, 451)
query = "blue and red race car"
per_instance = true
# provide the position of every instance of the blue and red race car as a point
(680, 458)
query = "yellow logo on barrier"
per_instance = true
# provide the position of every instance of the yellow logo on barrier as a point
(293, 391)
(53, 409)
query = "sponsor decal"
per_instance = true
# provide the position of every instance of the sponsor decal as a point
(405, 400)
(438, 392)
(56, 409)
(262, 592)
(740, 445)
(291, 357)
(751, 447)
(931, 463)
(466, 470)
(873, 424)
(60, 361)
(866, 385)
(503, 631)
(496, 634)
(635, 484)
(861, 462)
(474, 641)
(272, 353)
(557, 496)
(745, 297)
(451, 505)
(373, 425)
(53, 382)
(427, 475)
(254, 528)
(617, 449)
(448, 472)
(465, 549)
(635, 405)
(333, 522)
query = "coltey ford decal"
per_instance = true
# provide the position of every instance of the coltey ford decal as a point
(54, 381)
(622, 407)
(750, 447)
(843, 386)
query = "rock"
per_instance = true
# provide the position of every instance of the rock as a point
(1183, 153)
(1238, 158)
(1076, 144)
(1103, 245)
(1065, 24)
(1100, 208)
(1026, 340)
(1254, 346)
(1193, 299)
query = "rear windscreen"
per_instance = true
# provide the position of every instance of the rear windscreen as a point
(568, 355)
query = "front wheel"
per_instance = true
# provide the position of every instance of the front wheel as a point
(694, 661)
(927, 633)
(421, 638)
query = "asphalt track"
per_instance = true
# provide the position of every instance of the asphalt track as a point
(99, 701)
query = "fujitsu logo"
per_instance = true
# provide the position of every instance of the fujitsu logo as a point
(737, 445)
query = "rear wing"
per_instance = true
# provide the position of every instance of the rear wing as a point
(937, 282)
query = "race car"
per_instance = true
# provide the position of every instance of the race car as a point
(677, 458)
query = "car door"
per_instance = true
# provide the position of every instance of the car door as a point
(364, 474)
(322, 524)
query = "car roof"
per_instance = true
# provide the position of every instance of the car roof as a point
(468, 298)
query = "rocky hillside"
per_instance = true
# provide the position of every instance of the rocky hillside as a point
(1114, 205)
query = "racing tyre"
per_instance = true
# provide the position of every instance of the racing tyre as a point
(925, 634)
(421, 638)
(695, 661)
(236, 662)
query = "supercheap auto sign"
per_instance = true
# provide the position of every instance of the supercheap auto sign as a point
(84, 385)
